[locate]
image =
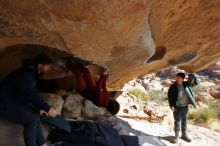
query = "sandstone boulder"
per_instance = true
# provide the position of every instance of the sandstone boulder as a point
(204, 95)
(130, 38)
(72, 107)
(198, 98)
(12, 134)
(92, 111)
(126, 111)
(54, 101)
(215, 94)
(8, 131)
(62, 92)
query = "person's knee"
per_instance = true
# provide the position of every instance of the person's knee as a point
(113, 107)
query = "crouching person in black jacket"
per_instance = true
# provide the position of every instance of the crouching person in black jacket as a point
(180, 94)
(18, 96)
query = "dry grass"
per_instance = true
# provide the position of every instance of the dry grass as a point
(203, 116)
(206, 115)
(140, 95)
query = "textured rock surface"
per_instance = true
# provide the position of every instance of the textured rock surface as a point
(72, 107)
(9, 131)
(92, 111)
(12, 134)
(119, 35)
(53, 100)
(215, 94)
(75, 106)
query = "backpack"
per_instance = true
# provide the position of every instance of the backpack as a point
(193, 81)
(87, 133)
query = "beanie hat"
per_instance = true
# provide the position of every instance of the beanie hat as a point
(182, 75)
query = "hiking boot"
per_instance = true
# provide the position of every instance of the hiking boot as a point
(186, 137)
(176, 139)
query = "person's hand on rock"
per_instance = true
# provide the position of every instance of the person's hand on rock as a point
(52, 113)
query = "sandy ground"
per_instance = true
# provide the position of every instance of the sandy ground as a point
(163, 134)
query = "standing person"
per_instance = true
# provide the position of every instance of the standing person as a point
(18, 91)
(96, 92)
(180, 94)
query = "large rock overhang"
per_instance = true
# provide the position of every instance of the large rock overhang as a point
(130, 38)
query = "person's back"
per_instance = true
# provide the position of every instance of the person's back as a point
(12, 87)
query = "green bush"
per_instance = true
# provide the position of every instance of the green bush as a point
(206, 115)
(203, 116)
(140, 95)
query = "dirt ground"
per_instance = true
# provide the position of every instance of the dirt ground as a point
(164, 133)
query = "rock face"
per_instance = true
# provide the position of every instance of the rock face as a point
(12, 134)
(53, 100)
(77, 107)
(215, 95)
(11, 130)
(92, 111)
(72, 107)
(130, 38)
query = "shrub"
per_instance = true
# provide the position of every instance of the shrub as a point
(206, 115)
(140, 95)
(202, 116)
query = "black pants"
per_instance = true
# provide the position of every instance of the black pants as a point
(30, 120)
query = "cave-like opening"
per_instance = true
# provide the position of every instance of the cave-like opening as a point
(12, 56)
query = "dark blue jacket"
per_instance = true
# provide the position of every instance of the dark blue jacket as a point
(19, 89)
